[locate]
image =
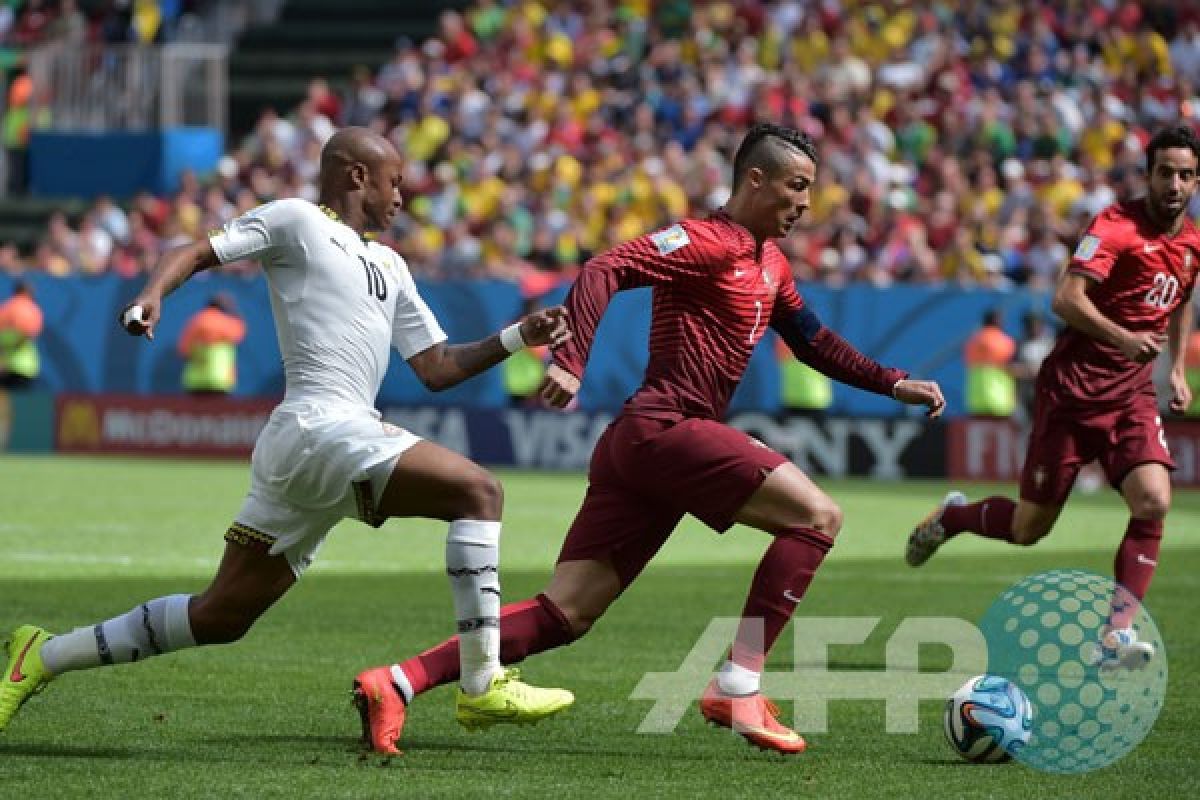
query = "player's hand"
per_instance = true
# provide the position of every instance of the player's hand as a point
(546, 327)
(1143, 346)
(1181, 392)
(559, 387)
(921, 393)
(141, 323)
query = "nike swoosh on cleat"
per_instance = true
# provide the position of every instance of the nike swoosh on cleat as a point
(782, 737)
(16, 676)
(508, 712)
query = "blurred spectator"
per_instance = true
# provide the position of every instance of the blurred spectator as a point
(1192, 367)
(17, 121)
(209, 344)
(802, 388)
(20, 325)
(991, 390)
(1037, 340)
(69, 26)
(958, 142)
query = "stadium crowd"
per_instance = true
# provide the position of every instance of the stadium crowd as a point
(963, 142)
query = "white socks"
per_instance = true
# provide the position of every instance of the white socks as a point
(737, 680)
(472, 559)
(153, 628)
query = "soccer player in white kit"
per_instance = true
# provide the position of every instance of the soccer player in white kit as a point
(339, 301)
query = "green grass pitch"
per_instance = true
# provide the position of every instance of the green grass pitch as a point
(83, 539)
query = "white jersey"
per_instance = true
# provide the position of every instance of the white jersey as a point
(339, 301)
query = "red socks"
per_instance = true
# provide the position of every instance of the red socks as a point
(527, 627)
(1133, 568)
(782, 577)
(991, 517)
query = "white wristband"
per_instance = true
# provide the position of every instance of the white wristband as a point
(511, 338)
(132, 314)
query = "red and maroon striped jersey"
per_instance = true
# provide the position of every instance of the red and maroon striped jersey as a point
(714, 295)
(1142, 275)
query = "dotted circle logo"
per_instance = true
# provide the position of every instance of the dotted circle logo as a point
(1092, 704)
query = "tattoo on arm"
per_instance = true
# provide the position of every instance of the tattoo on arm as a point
(475, 357)
(445, 365)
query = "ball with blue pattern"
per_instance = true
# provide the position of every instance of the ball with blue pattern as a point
(1042, 634)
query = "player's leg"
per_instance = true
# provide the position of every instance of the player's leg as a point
(1058, 446)
(804, 522)
(1147, 492)
(586, 581)
(430, 481)
(247, 582)
(722, 476)
(612, 537)
(1138, 464)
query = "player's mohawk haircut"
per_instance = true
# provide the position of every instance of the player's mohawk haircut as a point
(761, 148)
(1180, 135)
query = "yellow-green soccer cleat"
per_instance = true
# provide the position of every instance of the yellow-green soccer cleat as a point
(508, 701)
(24, 674)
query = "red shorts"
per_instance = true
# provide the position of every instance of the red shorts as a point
(1064, 438)
(647, 473)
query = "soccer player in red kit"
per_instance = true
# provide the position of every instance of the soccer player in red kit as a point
(1125, 294)
(718, 284)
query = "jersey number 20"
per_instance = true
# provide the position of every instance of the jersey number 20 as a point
(1162, 293)
(375, 282)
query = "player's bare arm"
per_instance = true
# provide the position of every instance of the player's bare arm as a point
(175, 267)
(1075, 308)
(1179, 328)
(445, 365)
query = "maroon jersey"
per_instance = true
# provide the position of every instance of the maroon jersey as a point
(713, 300)
(1142, 276)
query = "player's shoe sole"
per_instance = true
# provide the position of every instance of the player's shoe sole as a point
(754, 717)
(929, 534)
(381, 710)
(508, 701)
(24, 673)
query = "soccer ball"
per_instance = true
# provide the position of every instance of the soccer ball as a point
(988, 719)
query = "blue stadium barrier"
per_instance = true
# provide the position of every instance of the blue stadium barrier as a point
(120, 163)
(918, 328)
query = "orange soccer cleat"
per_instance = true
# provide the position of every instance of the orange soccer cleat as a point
(754, 717)
(381, 709)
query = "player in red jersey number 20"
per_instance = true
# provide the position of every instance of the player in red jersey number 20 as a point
(1125, 294)
(718, 283)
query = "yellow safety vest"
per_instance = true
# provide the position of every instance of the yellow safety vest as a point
(523, 372)
(804, 387)
(19, 355)
(991, 391)
(211, 368)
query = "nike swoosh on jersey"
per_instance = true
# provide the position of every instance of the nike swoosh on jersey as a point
(1149, 248)
(1141, 559)
(787, 593)
(16, 676)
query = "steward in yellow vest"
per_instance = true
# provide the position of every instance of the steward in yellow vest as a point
(209, 344)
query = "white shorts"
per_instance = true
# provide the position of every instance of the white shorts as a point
(312, 467)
